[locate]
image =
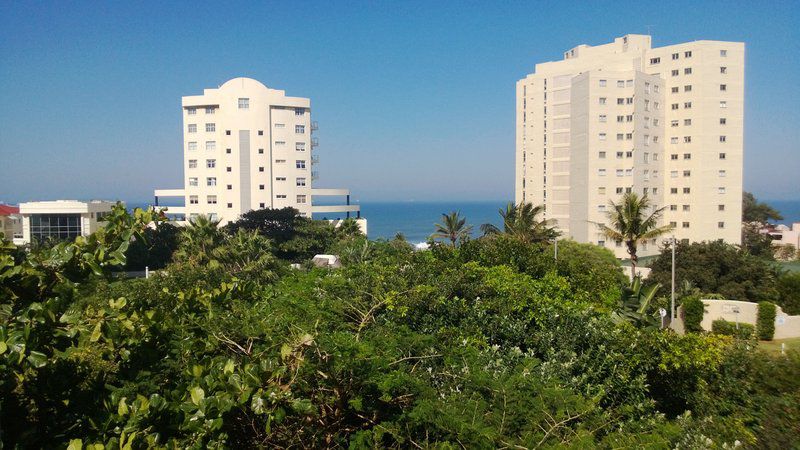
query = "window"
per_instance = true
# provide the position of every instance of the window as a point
(280, 196)
(262, 205)
(720, 207)
(723, 69)
(673, 174)
(192, 146)
(280, 178)
(722, 156)
(685, 224)
(687, 105)
(628, 154)
(673, 207)
(723, 121)
(675, 56)
(646, 157)
(192, 128)
(602, 155)
(602, 117)
(629, 118)
(687, 54)
(211, 163)
(300, 129)
(673, 140)
(619, 155)
(602, 136)
(280, 125)
(620, 119)
(675, 106)
(723, 104)
(655, 88)
(601, 190)
(211, 181)
(260, 132)
(675, 89)
(628, 172)
(620, 136)
(687, 88)
(687, 173)
(620, 172)
(646, 139)
(647, 105)
(301, 198)
(687, 71)
(673, 156)
(300, 146)
(210, 110)
(673, 190)
(228, 169)
(280, 161)
(191, 111)
(723, 139)
(720, 224)
(655, 155)
(687, 139)
(228, 151)
(723, 87)
(655, 60)
(655, 189)
(644, 191)
(675, 72)
(261, 169)
(230, 205)
(687, 156)
(300, 164)
(620, 101)
(192, 163)
(211, 127)
(602, 100)
(601, 208)
(300, 182)
(280, 143)
(227, 132)
(193, 200)
(620, 83)
(261, 187)
(601, 172)
(655, 105)
(629, 100)
(722, 173)
(230, 187)
(687, 190)
(723, 53)
(628, 136)
(646, 88)
(619, 190)
(244, 103)
(299, 112)
(687, 122)
(673, 123)
(261, 151)
(193, 181)
(628, 190)
(211, 145)
(211, 199)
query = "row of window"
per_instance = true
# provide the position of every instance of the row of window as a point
(193, 111)
(212, 145)
(212, 199)
(628, 154)
(628, 101)
(212, 127)
(243, 103)
(688, 139)
(687, 54)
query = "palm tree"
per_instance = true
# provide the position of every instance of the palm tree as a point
(198, 240)
(631, 224)
(520, 221)
(454, 227)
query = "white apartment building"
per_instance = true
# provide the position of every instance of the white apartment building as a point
(248, 147)
(666, 122)
(61, 219)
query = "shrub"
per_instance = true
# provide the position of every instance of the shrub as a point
(765, 324)
(739, 331)
(693, 310)
(789, 289)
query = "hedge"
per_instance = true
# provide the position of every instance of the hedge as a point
(744, 330)
(765, 324)
(693, 310)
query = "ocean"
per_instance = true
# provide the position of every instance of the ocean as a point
(415, 220)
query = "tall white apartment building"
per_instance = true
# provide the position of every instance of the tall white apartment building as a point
(621, 117)
(248, 147)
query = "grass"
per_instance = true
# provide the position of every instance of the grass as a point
(791, 266)
(774, 347)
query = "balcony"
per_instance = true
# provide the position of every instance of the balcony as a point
(314, 175)
(314, 159)
(314, 142)
(314, 126)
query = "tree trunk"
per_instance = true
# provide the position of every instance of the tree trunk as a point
(634, 259)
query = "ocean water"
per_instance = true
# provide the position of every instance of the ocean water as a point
(789, 209)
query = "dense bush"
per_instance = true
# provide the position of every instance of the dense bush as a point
(397, 349)
(765, 323)
(693, 311)
(789, 292)
(737, 330)
(719, 268)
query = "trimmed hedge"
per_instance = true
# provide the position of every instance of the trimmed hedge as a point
(744, 331)
(693, 310)
(765, 324)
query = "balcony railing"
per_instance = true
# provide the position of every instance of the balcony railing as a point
(314, 159)
(314, 126)
(314, 175)
(314, 142)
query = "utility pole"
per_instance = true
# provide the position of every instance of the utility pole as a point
(672, 314)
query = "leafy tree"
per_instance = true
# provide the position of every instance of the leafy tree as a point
(453, 227)
(755, 242)
(755, 211)
(198, 239)
(155, 250)
(717, 267)
(632, 223)
(349, 229)
(634, 306)
(789, 292)
(521, 222)
(247, 253)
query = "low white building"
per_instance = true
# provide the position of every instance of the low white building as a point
(61, 219)
(10, 222)
(784, 235)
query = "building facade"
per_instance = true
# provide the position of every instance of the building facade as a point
(625, 117)
(61, 219)
(10, 222)
(248, 147)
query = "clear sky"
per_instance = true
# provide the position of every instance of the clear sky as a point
(415, 100)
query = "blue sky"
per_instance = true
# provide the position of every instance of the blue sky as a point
(415, 100)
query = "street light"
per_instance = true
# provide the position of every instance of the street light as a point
(673, 314)
(555, 249)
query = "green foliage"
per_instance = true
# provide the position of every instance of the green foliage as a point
(737, 330)
(765, 323)
(155, 250)
(755, 242)
(693, 311)
(634, 305)
(521, 222)
(789, 292)
(720, 268)
(453, 228)
(755, 211)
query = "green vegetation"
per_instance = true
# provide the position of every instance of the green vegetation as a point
(737, 330)
(765, 323)
(484, 345)
(521, 222)
(775, 346)
(453, 227)
(633, 224)
(693, 311)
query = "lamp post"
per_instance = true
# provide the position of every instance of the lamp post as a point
(672, 315)
(555, 249)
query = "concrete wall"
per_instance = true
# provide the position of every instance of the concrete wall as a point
(786, 326)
